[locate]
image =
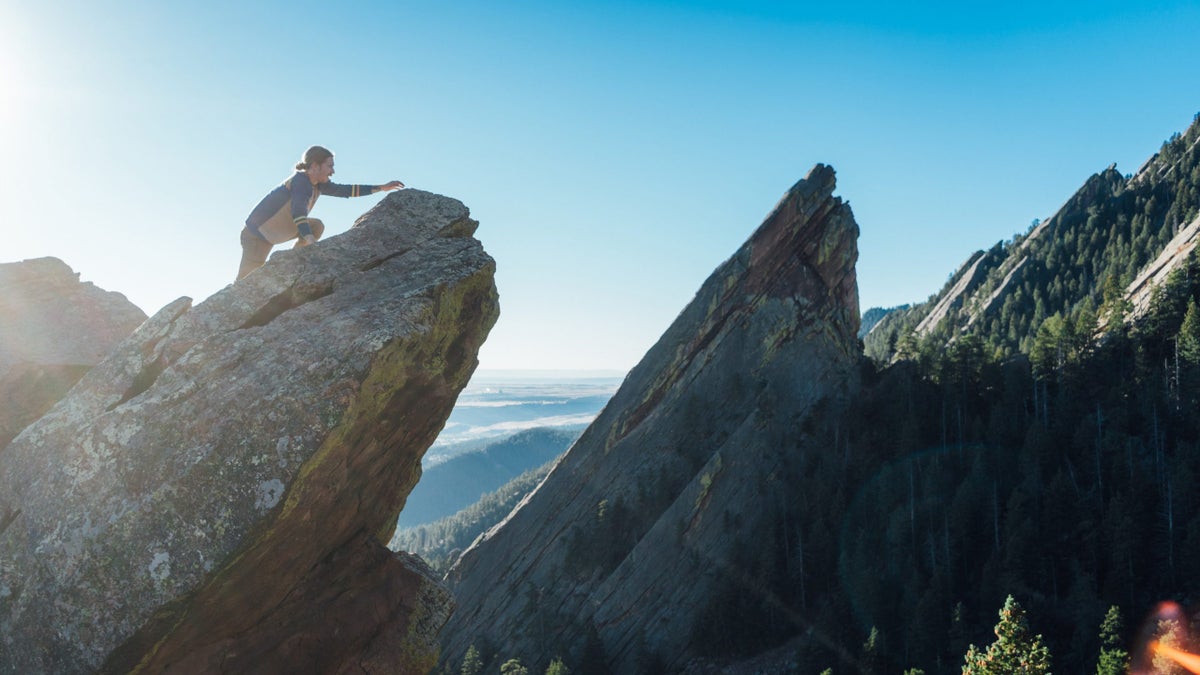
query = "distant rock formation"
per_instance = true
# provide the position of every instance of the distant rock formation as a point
(971, 297)
(53, 329)
(873, 316)
(1097, 187)
(1142, 226)
(1174, 255)
(968, 278)
(216, 495)
(634, 528)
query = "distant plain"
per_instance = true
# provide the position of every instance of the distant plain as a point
(499, 403)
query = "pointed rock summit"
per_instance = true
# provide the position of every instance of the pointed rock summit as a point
(640, 530)
(53, 329)
(216, 495)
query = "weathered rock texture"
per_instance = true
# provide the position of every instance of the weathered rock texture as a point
(53, 329)
(636, 525)
(216, 495)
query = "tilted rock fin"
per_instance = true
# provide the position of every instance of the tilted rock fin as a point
(217, 493)
(644, 515)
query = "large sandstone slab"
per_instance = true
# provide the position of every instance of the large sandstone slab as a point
(217, 494)
(640, 523)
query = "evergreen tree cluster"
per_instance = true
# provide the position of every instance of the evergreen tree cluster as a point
(955, 479)
(1068, 478)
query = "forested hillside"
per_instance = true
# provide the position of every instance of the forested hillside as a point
(1100, 239)
(1071, 485)
(441, 541)
(461, 481)
(1031, 442)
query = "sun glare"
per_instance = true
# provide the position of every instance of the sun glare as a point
(15, 83)
(12, 94)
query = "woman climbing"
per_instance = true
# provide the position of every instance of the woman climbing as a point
(283, 214)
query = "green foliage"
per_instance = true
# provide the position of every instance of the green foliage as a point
(472, 663)
(872, 654)
(1076, 488)
(1114, 660)
(1189, 335)
(1016, 650)
(1169, 633)
(557, 667)
(1114, 306)
(513, 667)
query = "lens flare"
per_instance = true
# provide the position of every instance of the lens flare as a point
(1185, 659)
(1166, 644)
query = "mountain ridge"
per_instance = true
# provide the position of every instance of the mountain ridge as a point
(1112, 225)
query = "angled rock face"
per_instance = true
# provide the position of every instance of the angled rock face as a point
(53, 329)
(1173, 255)
(216, 495)
(969, 276)
(643, 517)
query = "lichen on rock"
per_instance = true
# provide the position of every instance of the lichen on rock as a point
(215, 494)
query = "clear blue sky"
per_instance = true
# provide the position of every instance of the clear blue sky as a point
(614, 152)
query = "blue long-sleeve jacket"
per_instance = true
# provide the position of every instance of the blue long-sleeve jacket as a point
(297, 193)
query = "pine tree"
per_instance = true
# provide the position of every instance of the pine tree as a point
(1115, 306)
(1189, 335)
(513, 667)
(1015, 651)
(872, 654)
(1113, 657)
(557, 667)
(1169, 632)
(472, 664)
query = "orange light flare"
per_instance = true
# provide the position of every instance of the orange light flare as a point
(1185, 659)
(1166, 639)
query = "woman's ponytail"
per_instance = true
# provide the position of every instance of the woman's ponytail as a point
(314, 155)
